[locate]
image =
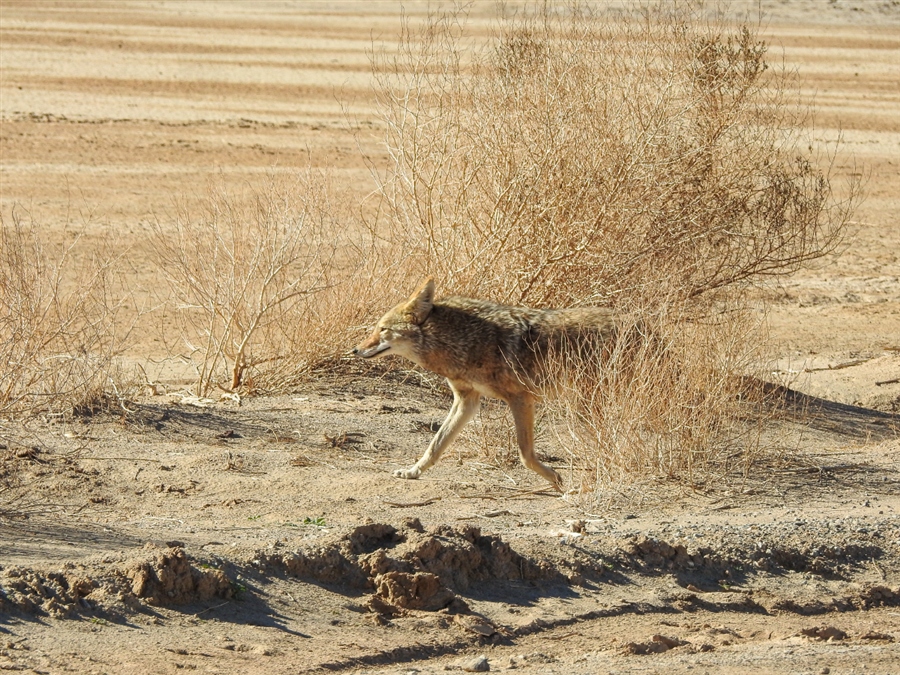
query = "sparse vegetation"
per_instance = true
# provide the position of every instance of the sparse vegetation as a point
(62, 323)
(654, 163)
(258, 283)
(138, 517)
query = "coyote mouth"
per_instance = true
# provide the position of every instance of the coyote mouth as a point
(369, 353)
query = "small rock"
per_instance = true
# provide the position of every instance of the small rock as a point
(642, 648)
(377, 604)
(669, 643)
(379, 620)
(474, 624)
(575, 579)
(477, 665)
(824, 633)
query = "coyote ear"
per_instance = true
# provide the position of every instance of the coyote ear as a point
(421, 301)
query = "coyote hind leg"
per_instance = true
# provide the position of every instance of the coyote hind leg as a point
(465, 405)
(523, 413)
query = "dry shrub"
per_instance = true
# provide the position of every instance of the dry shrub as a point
(652, 162)
(264, 283)
(61, 323)
(578, 159)
(661, 404)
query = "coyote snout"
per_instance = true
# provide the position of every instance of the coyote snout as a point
(485, 349)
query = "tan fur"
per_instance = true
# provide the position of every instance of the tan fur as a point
(486, 349)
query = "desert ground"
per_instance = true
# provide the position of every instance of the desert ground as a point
(269, 536)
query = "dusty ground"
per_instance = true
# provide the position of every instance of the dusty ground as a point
(270, 536)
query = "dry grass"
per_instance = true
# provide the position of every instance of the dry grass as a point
(62, 323)
(579, 160)
(669, 407)
(260, 283)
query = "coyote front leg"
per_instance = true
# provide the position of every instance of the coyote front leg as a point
(465, 405)
(522, 408)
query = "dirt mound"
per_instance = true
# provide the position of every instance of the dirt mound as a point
(153, 576)
(830, 550)
(402, 590)
(167, 577)
(866, 596)
(51, 593)
(409, 568)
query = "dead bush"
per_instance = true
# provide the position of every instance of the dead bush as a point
(61, 322)
(264, 283)
(666, 404)
(653, 162)
(581, 159)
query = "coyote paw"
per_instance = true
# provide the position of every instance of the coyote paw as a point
(556, 482)
(410, 473)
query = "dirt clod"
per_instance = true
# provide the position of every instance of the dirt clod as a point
(168, 577)
(475, 624)
(420, 590)
(829, 633)
(668, 642)
(153, 576)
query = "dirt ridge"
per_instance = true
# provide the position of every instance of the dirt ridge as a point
(114, 585)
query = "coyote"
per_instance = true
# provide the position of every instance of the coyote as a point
(487, 349)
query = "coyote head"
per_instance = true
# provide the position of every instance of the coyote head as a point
(397, 332)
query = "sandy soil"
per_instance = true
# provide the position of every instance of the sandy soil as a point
(270, 537)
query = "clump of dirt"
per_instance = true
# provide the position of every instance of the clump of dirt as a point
(775, 549)
(865, 597)
(829, 633)
(153, 576)
(657, 645)
(52, 593)
(402, 590)
(409, 568)
(167, 577)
